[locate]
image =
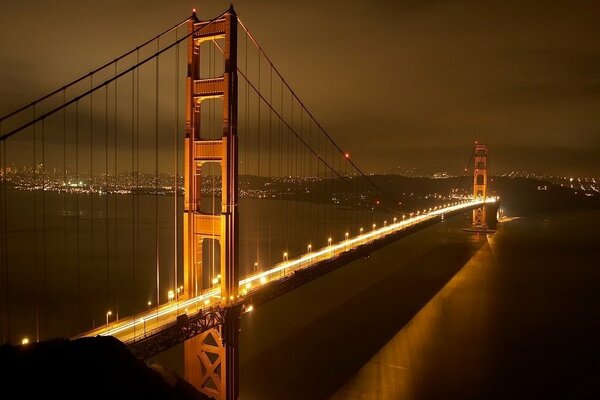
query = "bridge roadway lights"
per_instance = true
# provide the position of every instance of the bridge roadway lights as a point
(210, 324)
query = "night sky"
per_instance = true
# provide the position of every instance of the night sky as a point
(401, 84)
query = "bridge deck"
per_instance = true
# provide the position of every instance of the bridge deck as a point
(140, 326)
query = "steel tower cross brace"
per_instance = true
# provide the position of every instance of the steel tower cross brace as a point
(480, 184)
(212, 359)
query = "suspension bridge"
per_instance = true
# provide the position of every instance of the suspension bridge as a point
(166, 193)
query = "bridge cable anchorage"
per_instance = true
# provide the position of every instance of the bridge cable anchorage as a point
(102, 84)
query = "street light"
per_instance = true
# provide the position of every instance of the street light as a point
(25, 341)
(149, 304)
(108, 314)
(285, 256)
(395, 219)
(346, 235)
(374, 226)
(361, 231)
(309, 248)
(384, 223)
(170, 295)
(329, 242)
(256, 266)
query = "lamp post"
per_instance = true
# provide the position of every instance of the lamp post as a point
(309, 248)
(347, 235)
(329, 242)
(108, 314)
(285, 256)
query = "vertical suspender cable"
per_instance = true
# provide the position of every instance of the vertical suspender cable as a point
(78, 210)
(91, 186)
(175, 183)
(137, 157)
(4, 244)
(134, 195)
(211, 127)
(269, 172)
(35, 241)
(44, 273)
(258, 149)
(116, 186)
(280, 142)
(107, 191)
(156, 181)
(64, 211)
(246, 138)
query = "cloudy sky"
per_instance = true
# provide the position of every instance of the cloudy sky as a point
(401, 84)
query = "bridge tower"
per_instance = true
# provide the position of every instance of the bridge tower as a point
(480, 184)
(211, 359)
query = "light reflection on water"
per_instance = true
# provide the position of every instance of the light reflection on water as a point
(399, 369)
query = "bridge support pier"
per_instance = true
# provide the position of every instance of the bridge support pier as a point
(212, 358)
(480, 185)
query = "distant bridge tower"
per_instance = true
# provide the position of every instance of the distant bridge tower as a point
(480, 184)
(211, 359)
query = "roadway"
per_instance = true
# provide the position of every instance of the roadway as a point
(145, 323)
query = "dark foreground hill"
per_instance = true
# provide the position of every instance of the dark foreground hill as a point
(90, 368)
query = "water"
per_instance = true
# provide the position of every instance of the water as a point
(438, 314)
(441, 314)
(95, 253)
